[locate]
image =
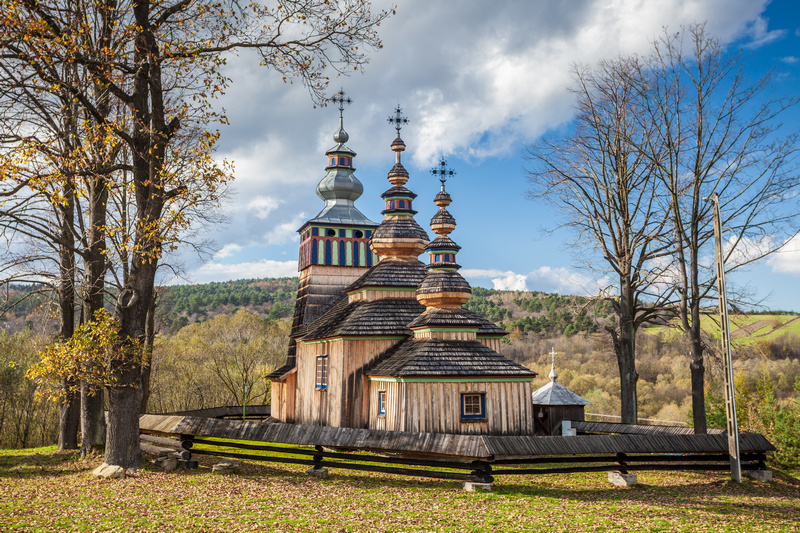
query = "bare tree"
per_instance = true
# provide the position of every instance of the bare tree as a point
(605, 187)
(715, 132)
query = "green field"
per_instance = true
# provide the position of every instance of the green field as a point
(745, 329)
(47, 491)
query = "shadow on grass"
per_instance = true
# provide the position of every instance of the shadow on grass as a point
(47, 464)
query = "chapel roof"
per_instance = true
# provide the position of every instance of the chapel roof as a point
(438, 358)
(554, 393)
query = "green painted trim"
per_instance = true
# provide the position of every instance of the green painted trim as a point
(451, 380)
(444, 268)
(387, 198)
(357, 338)
(399, 214)
(446, 329)
(401, 289)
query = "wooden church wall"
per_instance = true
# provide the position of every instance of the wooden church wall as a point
(283, 395)
(314, 406)
(358, 354)
(341, 403)
(436, 407)
(491, 342)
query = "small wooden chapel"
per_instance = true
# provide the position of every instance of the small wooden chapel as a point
(381, 340)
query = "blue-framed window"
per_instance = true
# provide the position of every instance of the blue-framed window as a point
(356, 257)
(314, 251)
(382, 402)
(473, 405)
(328, 253)
(342, 256)
(322, 372)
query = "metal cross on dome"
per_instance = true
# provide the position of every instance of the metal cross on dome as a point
(341, 99)
(442, 172)
(398, 120)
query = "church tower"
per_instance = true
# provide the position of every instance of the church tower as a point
(334, 245)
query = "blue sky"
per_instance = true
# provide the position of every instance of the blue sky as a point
(479, 83)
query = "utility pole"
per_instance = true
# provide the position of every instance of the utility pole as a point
(730, 393)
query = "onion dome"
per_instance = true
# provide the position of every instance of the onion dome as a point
(443, 286)
(398, 236)
(340, 188)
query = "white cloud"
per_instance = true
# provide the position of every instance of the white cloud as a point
(227, 251)
(788, 258)
(262, 206)
(545, 279)
(286, 232)
(257, 269)
(760, 35)
(790, 59)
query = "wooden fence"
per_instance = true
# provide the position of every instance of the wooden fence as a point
(477, 458)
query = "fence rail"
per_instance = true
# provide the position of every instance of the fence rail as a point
(477, 458)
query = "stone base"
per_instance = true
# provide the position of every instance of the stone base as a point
(106, 471)
(225, 467)
(168, 463)
(320, 473)
(474, 486)
(759, 475)
(621, 480)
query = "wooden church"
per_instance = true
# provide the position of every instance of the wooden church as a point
(381, 340)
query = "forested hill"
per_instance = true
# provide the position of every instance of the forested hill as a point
(179, 305)
(521, 313)
(526, 312)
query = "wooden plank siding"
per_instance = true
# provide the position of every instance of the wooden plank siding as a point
(341, 404)
(436, 407)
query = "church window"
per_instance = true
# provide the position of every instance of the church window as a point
(322, 372)
(382, 402)
(331, 232)
(402, 204)
(342, 256)
(473, 405)
(356, 256)
(314, 251)
(391, 204)
(358, 234)
(437, 258)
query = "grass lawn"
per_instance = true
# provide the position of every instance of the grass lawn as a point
(43, 490)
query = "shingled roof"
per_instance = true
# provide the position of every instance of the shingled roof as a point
(390, 274)
(387, 316)
(459, 318)
(440, 358)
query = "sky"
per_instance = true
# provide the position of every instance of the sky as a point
(479, 82)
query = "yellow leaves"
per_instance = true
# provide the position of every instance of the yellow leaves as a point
(93, 354)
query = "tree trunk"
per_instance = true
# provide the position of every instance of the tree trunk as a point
(698, 371)
(122, 439)
(69, 408)
(69, 416)
(625, 349)
(92, 420)
(147, 356)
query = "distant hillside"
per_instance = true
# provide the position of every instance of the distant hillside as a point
(524, 314)
(179, 305)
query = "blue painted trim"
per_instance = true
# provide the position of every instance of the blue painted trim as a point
(328, 253)
(483, 405)
(314, 251)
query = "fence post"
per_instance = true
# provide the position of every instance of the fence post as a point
(187, 441)
(317, 470)
(621, 463)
